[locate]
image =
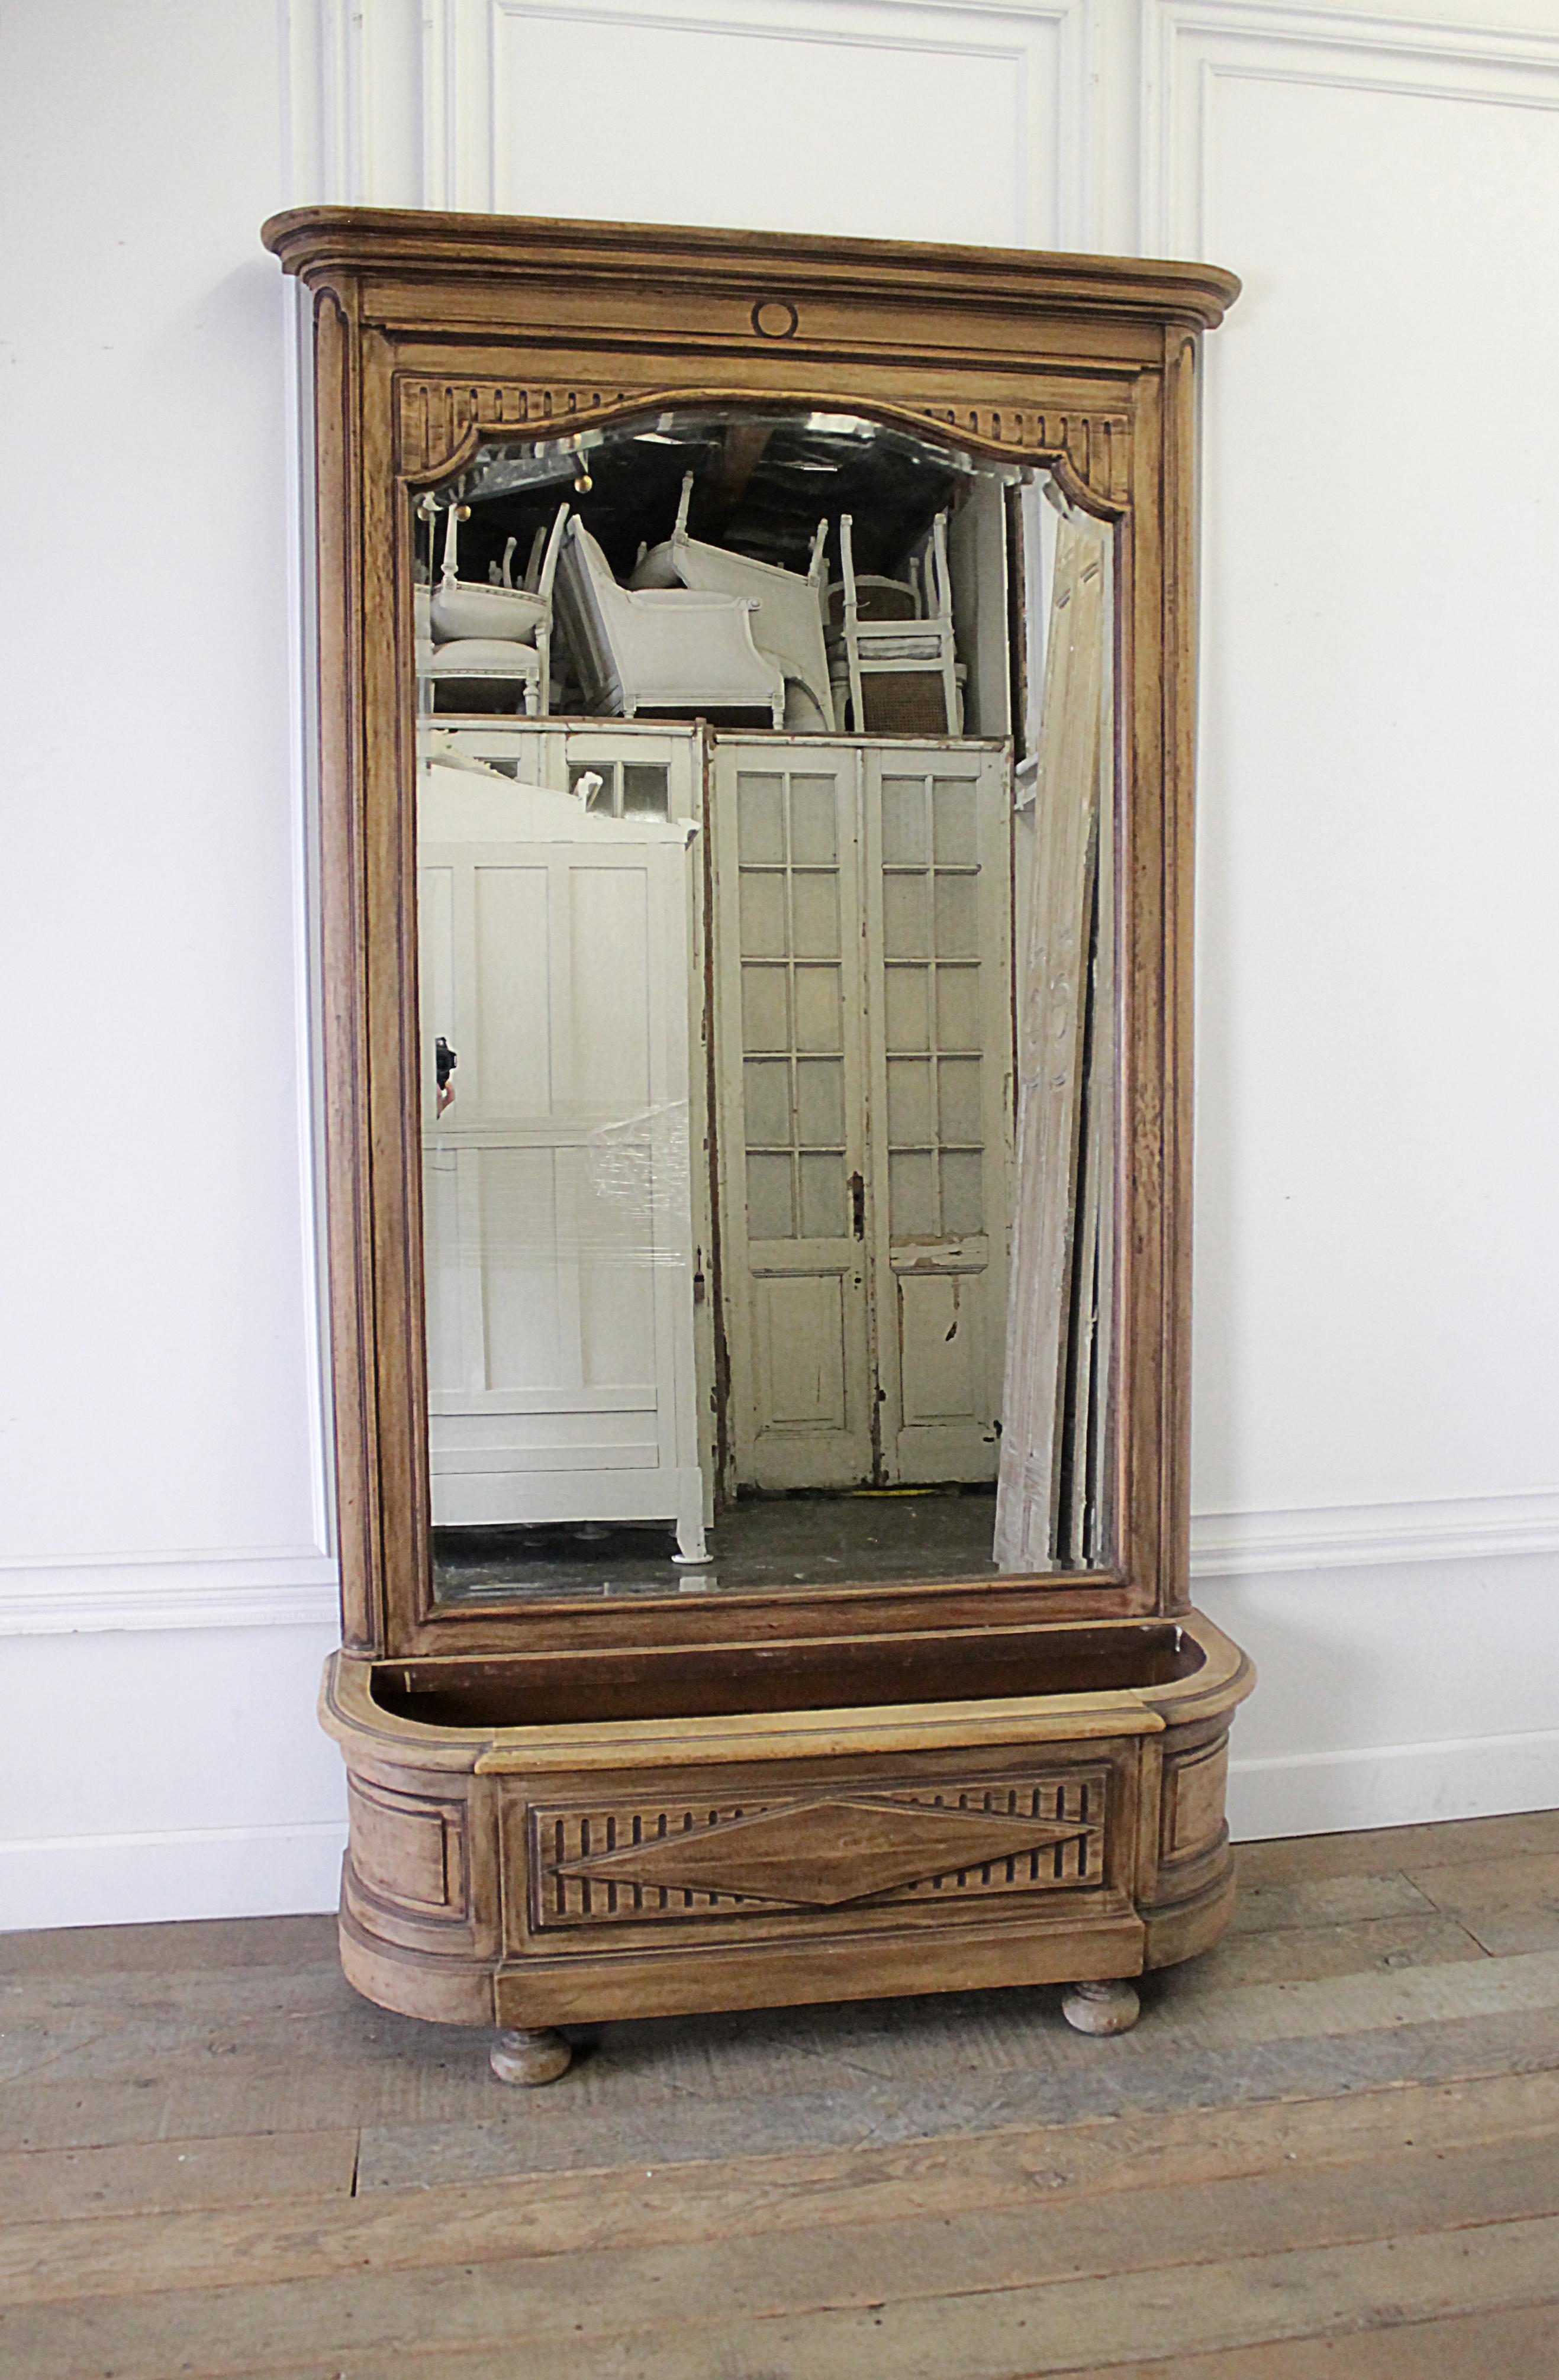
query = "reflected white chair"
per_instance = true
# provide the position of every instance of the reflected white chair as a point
(789, 621)
(509, 661)
(920, 655)
(674, 649)
(464, 607)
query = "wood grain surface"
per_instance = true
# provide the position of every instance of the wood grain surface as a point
(434, 332)
(1329, 2151)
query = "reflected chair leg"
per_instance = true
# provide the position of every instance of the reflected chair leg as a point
(530, 2056)
(1110, 2007)
(692, 1547)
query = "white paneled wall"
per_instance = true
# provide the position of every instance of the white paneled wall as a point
(161, 1471)
(862, 116)
(1376, 1392)
(1376, 1474)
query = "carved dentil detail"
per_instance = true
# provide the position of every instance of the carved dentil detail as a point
(439, 422)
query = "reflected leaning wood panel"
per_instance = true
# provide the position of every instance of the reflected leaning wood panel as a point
(784, 1095)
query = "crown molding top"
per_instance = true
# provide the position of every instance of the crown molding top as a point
(318, 243)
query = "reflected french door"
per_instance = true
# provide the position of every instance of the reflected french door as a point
(864, 1054)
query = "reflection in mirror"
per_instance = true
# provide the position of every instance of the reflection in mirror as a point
(766, 895)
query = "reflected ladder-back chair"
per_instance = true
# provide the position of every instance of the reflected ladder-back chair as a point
(903, 673)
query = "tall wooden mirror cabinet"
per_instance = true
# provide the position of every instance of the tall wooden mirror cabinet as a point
(755, 705)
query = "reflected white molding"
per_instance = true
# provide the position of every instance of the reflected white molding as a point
(1187, 46)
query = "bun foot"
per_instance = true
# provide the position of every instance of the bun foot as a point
(1102, 2008)
(529, 2057)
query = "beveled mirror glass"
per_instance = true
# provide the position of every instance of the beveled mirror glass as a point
(765, 830)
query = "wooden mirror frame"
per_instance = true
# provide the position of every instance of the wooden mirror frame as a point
(437, 333)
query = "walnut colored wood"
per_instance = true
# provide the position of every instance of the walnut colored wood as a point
(530, 2058)
(655, 1866)
(604, 1809)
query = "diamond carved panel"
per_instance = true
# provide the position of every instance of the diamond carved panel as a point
(822, 1851)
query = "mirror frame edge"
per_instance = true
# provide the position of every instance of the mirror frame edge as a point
(1115, 369)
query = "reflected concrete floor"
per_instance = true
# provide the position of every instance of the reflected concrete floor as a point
(766, 1541)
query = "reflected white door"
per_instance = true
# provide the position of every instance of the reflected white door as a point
(557, 1239)
(864, 1041)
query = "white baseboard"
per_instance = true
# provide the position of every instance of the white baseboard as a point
(1392, 1785)
(189, 1873)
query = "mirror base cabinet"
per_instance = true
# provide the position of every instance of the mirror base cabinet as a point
(756, 728)
(714, 1847)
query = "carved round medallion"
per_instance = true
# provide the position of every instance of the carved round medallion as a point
(774, 318)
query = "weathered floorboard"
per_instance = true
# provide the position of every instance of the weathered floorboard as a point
(167, 2177)
(1330, 2152)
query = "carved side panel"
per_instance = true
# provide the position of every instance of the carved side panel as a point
(402, 1849)
(1186, 1902)
(435, 420)
(409, 1864)
(1195, 1788)
(650, 1862)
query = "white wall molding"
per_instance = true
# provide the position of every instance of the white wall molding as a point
(171, 1874)
(325, 133)
(1048, 45)
(1368, 1537)
(391, 103)
(283, 1586)
(1187, 46)
(276, 1587)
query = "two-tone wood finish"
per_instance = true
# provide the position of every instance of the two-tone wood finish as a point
(632, 1852)
(537, 1872)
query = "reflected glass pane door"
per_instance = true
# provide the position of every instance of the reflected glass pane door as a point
(793, 1222)
(940, 997)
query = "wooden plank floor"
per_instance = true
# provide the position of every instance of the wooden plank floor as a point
(1330, 2151)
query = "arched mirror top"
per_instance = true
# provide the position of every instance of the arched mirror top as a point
(1083, 451)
